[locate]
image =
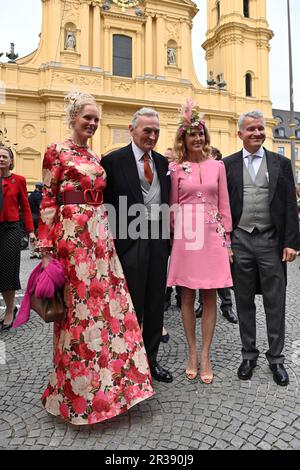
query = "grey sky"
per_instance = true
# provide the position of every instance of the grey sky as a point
(21, 23)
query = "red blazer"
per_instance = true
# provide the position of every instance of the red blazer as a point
(15, 197)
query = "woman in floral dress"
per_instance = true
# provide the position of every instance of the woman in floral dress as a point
(100, 364)
(200, 257)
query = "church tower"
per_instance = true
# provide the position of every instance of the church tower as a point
(237, 51)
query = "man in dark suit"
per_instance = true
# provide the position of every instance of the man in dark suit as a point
(137, 183)
(265, 236)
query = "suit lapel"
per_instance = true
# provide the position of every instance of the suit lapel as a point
(238, 174)
(161, 176)
(131, 174)
(273, 165)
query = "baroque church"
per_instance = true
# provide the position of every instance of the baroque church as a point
(134, 53)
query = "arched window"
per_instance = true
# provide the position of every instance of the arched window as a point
(280, 132)
(246, 9)
(122, 55)
(248, 82)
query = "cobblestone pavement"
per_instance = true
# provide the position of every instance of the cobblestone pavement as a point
(229, 414)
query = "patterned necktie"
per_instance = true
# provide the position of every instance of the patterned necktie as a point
(251, 167)
(147, 169)
(1, 194)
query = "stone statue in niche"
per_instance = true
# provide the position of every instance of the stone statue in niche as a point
(70, 41)
(171, 56)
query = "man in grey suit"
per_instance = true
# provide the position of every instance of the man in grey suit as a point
(265, 236)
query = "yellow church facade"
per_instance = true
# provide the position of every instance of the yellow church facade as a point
(130, 54)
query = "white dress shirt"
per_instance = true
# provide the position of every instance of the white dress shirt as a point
(256, 162)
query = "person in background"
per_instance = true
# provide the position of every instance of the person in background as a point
(34, 201)
(263, 240)
(13, 198)
(200, 233)
(100, 363)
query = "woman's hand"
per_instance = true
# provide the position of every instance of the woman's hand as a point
(46, 259)
(230, 254)
(32, 237)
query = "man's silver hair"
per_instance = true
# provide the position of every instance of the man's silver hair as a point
(143, 112)
(250, 114)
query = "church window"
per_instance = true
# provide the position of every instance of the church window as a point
(122, 55)
(248, 82)
(280, 132)
(246, 8)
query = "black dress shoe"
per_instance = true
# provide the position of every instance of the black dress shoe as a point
(280, 375)
(246, 369)
(7, 326)
(199, 311)
(230, 315)
(160, 374)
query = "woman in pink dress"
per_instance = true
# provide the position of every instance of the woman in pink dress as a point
(200, 231)
(100, 364)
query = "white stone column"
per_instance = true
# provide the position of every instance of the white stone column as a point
(160, 49)
(96, 36)
(107, 50)
(138, 53)
(149, 46)
(85, 33)
(52, 35)
(185, 51)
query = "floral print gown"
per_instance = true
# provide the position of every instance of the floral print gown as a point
(201, 227)
(100, 364)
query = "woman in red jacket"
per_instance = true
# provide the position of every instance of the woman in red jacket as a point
(13, 196)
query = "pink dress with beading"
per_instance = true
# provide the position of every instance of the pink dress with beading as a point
(100, 364)
(200, 229)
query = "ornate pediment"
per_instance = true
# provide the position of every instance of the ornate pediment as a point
(28, 151)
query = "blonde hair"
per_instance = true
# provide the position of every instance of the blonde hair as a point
(11, 155)
(75, 101)
(180, 150)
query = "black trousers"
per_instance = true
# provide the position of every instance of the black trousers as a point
(145, 269)
(257, 259)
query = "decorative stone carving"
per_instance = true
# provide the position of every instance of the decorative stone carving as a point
(120, 135)
(123, 86)
(71, 11)
(161, 90)
(173, 31)
(77, 80)
(29, 131)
